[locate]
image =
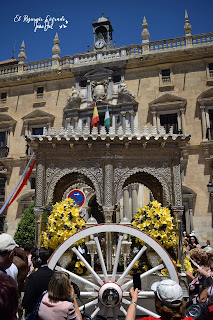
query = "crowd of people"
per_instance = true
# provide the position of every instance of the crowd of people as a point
(28, 284)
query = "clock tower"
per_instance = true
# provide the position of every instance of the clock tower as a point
(102, 33)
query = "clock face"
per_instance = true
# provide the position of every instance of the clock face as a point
(99, 43)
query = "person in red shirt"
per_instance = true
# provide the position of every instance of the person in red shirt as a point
(169, 302)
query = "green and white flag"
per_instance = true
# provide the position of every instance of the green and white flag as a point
(107, 120)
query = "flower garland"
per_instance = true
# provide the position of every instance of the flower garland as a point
(63, 221)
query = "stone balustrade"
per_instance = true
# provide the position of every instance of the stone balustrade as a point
(37, 65)
(8, 70)
(111, 54)
(76, 133)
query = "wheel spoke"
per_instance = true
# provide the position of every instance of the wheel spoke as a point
(145, 274)
(89, 304)
(88, 266)
(123, 310)
(117, 257)
(100, 255)
(150, 313)
(95, 312)
(137, 257)
(141, 294)
(88, 294)
(76, 277)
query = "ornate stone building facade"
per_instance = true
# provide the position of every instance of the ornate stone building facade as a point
(160, 100)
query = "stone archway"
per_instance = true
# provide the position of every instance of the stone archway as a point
(131, 193)
(68, 181)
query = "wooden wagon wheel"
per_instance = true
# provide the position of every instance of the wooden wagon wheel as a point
(109, 292)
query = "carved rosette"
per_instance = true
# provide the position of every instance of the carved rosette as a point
(55, 172)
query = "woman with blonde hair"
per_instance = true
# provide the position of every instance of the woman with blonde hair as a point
(59, 302)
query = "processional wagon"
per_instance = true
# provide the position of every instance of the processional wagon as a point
(104, 165)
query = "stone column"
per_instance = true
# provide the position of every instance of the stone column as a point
(203, 116)
(178, 213)
(132, 116)
(123, 113)
(126, 203)
(183, 127)
(108, 207)
(134, 199)
(89, 93)
(154, 115)
(113, 121)
(110, 88)
(178, 207)
(39, 198)
(38, 211)
(75, 122)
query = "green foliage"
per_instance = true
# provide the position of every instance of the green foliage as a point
(25, 233)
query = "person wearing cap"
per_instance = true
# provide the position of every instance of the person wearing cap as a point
(7, 246)
(169, 302)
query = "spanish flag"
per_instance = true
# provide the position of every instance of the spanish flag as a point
(95, 117)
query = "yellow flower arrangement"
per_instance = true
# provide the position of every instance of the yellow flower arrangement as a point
(157, 222)
(63, 221)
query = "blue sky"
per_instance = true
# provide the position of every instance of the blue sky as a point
(165, 19)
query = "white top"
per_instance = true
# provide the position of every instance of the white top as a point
(13, 271)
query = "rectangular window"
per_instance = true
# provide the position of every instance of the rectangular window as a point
(83, 83)
(116, 79)
(3, 144)
(2, 139)
(2, 189)
(211, 70)
(3, 96)
(166, 76)
(40, 92)
(37, 131)
(169, 120)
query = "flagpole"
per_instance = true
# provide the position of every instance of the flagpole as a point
(8, 200)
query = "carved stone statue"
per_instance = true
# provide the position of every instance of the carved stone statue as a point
(73, 94)
(123, 89)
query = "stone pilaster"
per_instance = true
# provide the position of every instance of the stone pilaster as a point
(178, 213)
(39, 198)
(38, 211)
(177, 183)
(203, 117)
(183, 126)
